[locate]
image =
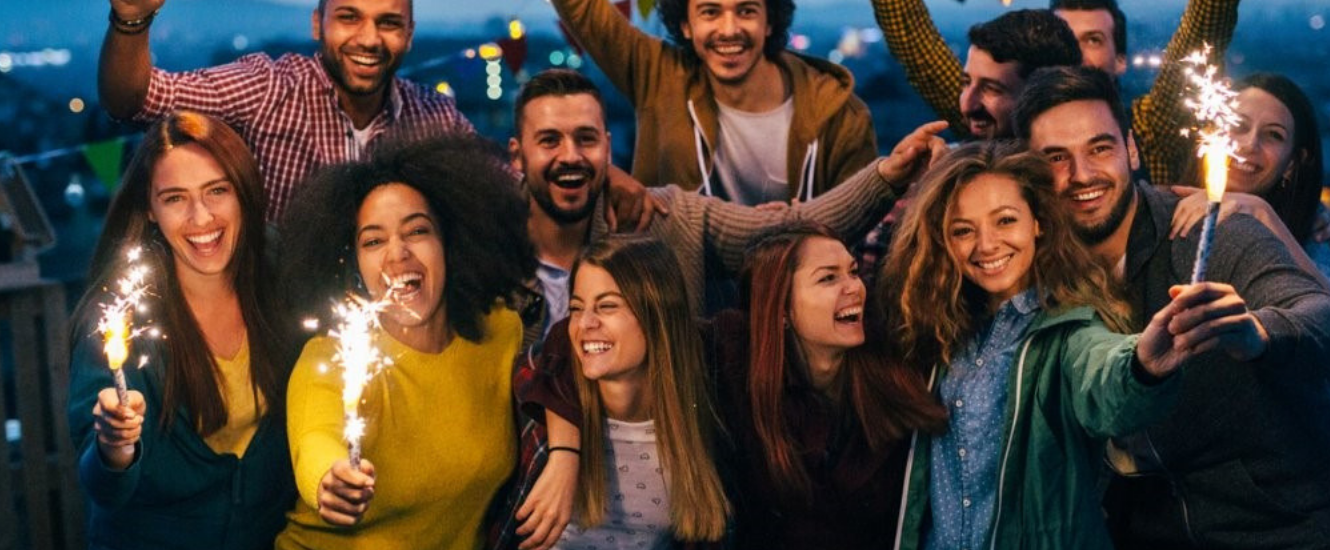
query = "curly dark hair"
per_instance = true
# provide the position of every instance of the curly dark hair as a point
(780, 15)
(470, 192)
(1031, 38)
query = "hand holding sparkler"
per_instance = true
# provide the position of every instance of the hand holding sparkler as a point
(116, 327)
(345, 492)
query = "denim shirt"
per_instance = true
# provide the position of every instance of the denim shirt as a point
(964, 468)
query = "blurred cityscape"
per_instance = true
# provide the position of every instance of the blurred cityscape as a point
(48, 54)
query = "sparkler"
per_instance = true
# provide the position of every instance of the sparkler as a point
(360, 360)
(1213, 107)
(117, 324)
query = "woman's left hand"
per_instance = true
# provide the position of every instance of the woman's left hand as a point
(549, 507)
(1194, 204)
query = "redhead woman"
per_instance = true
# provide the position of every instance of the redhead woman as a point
(197, 456)
(427, 227)
(989, 290)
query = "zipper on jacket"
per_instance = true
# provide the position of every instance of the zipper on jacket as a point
(1006, 453)
(909, 469)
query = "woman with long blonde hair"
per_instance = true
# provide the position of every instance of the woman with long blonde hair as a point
(988, 288)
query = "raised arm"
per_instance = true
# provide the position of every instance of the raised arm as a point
(125, 66)
(851, 208)
(932, 68)
(629, 57)
(1160, 114)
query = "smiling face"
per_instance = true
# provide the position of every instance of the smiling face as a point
(399, 250)
(197, 210)
(1264, 137)
(362, 42)
(606, 335)
(728, 35)
(827, 298)
(1094, 34)
(1091, 165)
(991, 233)
(564, 154)
(989, 94)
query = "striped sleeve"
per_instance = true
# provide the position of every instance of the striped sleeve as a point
(234, 92)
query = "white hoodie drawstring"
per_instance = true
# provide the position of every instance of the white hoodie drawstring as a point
(699, 144)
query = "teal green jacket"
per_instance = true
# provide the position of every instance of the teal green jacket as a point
(1071, 388)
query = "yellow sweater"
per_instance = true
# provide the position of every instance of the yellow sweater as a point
(439, 430)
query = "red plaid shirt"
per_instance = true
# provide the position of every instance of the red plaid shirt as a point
(286, 110)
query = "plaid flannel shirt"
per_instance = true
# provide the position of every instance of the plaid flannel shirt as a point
(287, 111)
(1157, 117)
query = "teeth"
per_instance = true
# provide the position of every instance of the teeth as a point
(572, 177)
(729, 49)
(850, 313)
(1089, 195)
(400, 282)
(1243, 167)
(205, 239)
(363, 59)
(993, 264)
(596, 347)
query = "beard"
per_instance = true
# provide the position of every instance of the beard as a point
(1097, 233)
(566, 216)
(333, 60)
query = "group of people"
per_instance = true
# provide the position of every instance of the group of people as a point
(690, 355)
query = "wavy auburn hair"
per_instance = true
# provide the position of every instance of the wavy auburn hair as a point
(647, 274)
(191, 376)
(932, 308)
(887, 400)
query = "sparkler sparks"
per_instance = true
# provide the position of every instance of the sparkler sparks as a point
(117, 323)
(360, 360)
(1213, 107)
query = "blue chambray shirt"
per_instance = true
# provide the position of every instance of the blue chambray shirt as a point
(963, 469)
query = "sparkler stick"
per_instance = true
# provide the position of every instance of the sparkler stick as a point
(116, 325)
(1213, 108)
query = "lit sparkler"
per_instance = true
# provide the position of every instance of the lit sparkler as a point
(1213, 107)
(360, 360)
(117, 324)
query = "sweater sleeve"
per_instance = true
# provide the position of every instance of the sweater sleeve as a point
(931, 66)
(314, 419)
(89, 375)
(852, 142)
(1288, 301)
(630, 58)
(1107, 398)
(850, 209)
(1158, 115)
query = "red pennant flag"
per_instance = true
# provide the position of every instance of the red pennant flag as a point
(514, 52)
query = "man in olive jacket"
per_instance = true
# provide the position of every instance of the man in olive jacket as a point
(1240, 462)
(726, 108)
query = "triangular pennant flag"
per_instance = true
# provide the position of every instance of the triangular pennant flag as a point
(625, 7)
(514, 52)
(104, 158)
(644, 7)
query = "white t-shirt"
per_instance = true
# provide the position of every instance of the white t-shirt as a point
(751, 154)
(637, 515)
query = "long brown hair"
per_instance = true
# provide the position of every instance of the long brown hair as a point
(191, 375)
(931, 308)
(647, 274)
(887, 400)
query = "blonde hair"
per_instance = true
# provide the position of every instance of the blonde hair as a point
(930, 304)
(647, 274)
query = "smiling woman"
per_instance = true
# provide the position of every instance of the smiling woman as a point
(196, 457)
(432, 228)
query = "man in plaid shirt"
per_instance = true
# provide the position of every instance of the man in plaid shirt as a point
(297, 113)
